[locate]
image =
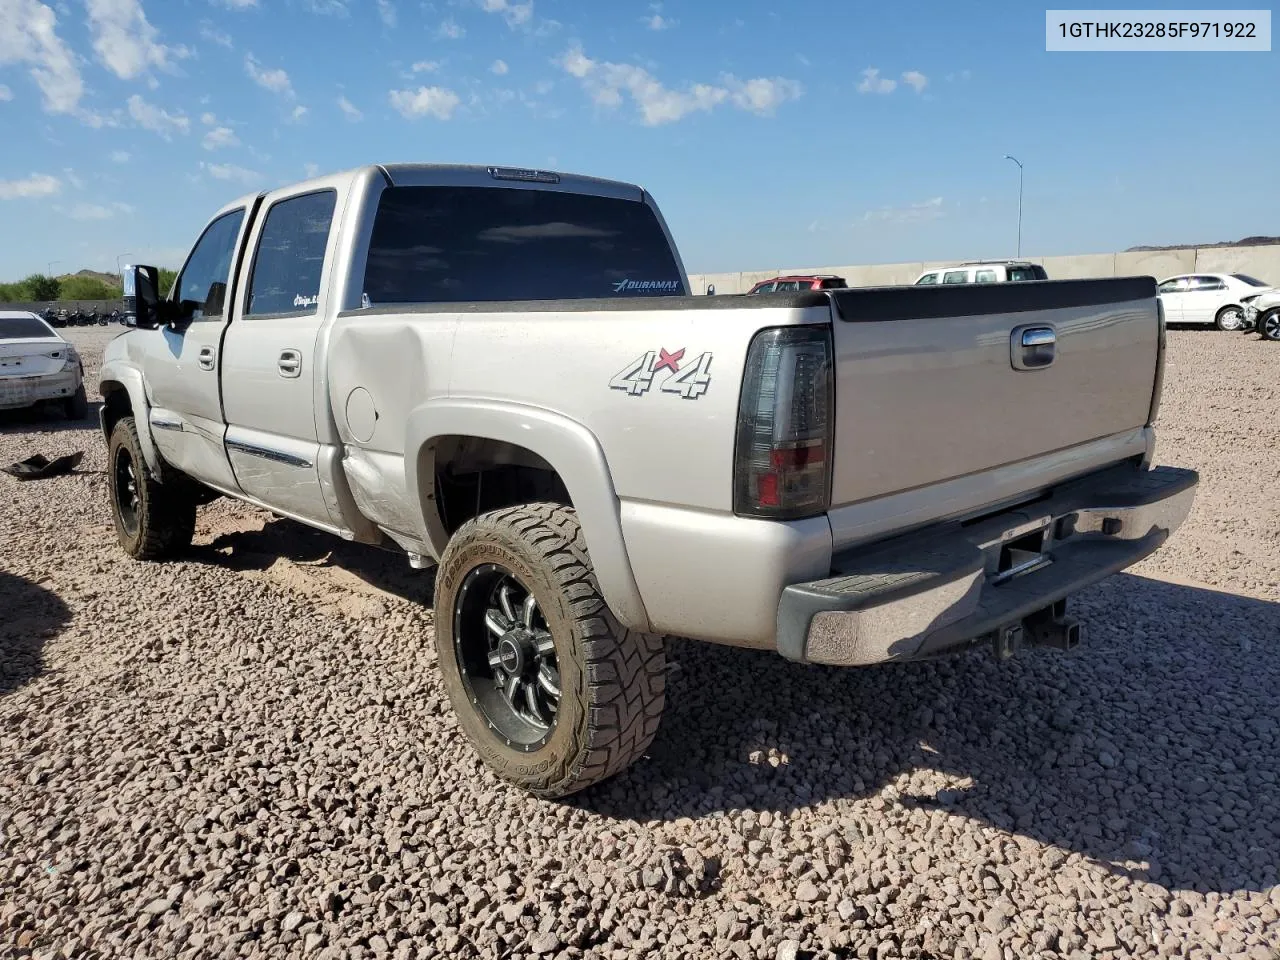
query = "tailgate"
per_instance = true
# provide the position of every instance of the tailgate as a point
(935, 383)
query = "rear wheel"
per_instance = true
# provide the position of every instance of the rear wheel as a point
(553, 692)
(76, 407)
(152, 520)
(1229, 318)
(1269, 325)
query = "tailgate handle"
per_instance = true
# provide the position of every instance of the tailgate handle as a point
(1033, 347)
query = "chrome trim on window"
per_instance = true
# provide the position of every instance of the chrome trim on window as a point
(267, 454)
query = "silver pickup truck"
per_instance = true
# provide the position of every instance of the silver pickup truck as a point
(500, 373)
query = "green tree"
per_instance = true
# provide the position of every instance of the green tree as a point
(167, 277)
(40, 287)
(12, 293)
(88, 288)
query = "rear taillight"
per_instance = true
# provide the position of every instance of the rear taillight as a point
(1157, 388)
(782, 461)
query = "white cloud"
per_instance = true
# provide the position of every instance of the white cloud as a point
(872, 82)
(916, 80)
(153, 118)
(387, 11)
(500, 68)
(125, 41)
(298, 113)
(5, 93)
(449, 30)
(425, 101)
(349, 109)
(229, 171)
(311, 170)
(335, 8)
(236, 4)
(73, 178)
(119, 156)
(96, 211)
(658, 22)
(211, 33)
(516, 14)
(29, 35)
(36, 185)
(915, 213)
(220, 137)
(426, 66)
(277, 80)
(606, 83)
(208, 119)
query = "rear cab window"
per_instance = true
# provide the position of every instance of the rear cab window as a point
(1018, 274)
(455, 244)
(289, 262)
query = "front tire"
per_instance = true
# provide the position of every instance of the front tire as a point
(1229, 318)
(152, 520)
(1269, 325)
(552, 691)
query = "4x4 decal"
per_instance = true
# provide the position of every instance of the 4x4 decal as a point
(689, 380)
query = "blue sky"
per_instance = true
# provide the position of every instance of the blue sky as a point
(773, 134)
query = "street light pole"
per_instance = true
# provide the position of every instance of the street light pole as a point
(1019, 163)
(118, 256)
(50, 267)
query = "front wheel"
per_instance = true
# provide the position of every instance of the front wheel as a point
(1229, 318)
(1269, 325)
(152, 520)
(552, 691)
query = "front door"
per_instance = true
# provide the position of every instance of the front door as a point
(269, 357)
(1172, 292)
(181, 364)
(1203, 298)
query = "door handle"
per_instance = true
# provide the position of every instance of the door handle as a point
(206, 358)
(290, 363)
(1032, 347)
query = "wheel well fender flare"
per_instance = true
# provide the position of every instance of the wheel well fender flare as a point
(572, 451)
(117, 377)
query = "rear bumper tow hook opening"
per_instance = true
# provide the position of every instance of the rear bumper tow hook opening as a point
(1059, 633)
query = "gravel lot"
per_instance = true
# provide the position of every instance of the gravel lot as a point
(248, 753)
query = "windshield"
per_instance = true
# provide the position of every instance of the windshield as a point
(450, 244)
(1251, 281)
(21, 328)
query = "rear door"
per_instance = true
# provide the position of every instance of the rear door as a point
(927, 389)
(270, 377)
(1205, 294)
(180, 365)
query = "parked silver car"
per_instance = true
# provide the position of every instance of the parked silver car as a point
(37, 365)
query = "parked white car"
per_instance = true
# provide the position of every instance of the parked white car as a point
(984, 271)
(1262, 313)
(1216, 298)
(38, 365)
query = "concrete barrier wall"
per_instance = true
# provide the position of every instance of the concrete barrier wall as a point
(1261, 262)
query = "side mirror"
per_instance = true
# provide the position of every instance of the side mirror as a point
(141, 289)
(711, 289)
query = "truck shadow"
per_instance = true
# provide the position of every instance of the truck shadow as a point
(1153, 750)
(47, 419)
(31, 614)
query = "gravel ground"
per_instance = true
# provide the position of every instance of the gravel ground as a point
(249, 753)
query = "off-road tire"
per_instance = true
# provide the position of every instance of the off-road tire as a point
(165, 512)
(76, 406)
(613, 680)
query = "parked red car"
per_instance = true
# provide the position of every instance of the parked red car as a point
(824, 281)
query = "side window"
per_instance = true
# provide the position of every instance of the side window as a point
(290, 256)
(1176, 285)
(984, 276)
(764, 288)
(787, 285)
(203, 281)
(956, 276)
(928, 278)
(1022, 274)
(1200, 284)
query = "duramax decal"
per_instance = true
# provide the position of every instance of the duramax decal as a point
(648, 286)
(689, 380)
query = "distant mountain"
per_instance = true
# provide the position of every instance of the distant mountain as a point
(111, 279)
(1246, 242)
